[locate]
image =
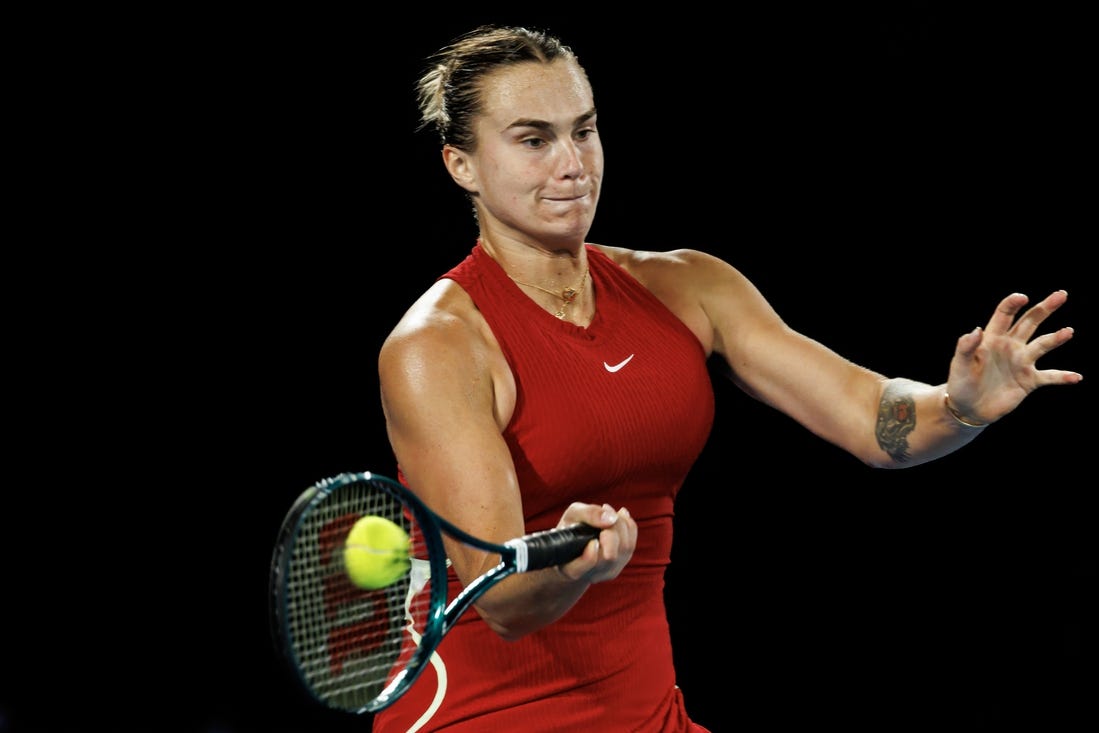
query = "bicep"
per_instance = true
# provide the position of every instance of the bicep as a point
(438, 399)
(826, 393)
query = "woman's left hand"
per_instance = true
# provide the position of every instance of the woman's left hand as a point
(994, 369)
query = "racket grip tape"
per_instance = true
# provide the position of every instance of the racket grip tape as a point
(552, 546)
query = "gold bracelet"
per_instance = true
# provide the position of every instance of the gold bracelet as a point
(958, 416)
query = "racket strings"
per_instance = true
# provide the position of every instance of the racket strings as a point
(349, 643)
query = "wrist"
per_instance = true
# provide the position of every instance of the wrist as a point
(958, 416)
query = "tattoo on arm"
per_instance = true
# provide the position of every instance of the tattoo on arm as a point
(896, 419)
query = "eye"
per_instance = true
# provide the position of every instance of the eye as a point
(585, 133)
(533, 142)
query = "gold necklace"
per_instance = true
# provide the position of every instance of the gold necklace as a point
(568, 295)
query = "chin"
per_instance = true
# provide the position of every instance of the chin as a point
(574, 225)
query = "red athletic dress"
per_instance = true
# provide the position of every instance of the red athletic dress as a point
(616, 412)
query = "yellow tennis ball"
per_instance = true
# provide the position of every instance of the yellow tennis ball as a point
(376, 552)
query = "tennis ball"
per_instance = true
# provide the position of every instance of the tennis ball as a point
(376, 552)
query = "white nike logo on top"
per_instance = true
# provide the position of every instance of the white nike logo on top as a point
(619, 365)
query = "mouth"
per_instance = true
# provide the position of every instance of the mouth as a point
(566, 199)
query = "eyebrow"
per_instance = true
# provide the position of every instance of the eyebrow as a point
(544, 125)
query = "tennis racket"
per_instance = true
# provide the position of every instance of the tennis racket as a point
(357, 650)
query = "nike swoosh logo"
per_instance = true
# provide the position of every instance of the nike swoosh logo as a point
(619, 365)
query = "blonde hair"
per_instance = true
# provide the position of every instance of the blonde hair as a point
(449, 90)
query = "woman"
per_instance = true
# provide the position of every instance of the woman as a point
(546, 380)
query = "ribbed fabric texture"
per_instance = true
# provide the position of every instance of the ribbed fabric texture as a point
(616, 412)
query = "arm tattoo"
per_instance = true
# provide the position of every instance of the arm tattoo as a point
(896, 419)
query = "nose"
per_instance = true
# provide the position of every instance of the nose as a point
(569, 163)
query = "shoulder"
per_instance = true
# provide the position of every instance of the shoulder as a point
(650, 267)
(442, 356)
(440, 327)
(679, 273)
(712, 297)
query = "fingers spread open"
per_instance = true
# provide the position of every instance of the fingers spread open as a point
(1028, 323)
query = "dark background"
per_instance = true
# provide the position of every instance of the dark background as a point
(225, 213)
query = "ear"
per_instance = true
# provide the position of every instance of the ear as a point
(460, 167)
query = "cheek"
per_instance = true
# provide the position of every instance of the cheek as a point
(593, 162)
(505, 188)
(594, 167)
(512, 181)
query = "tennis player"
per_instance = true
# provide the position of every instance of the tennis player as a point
(547, 380)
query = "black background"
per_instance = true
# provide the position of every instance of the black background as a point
(229, 211)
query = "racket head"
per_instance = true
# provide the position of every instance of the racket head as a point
(350, 647)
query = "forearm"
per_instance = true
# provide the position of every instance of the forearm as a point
(526, 603)
(916, 424)
(529, 601)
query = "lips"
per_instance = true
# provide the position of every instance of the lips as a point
(566, 199)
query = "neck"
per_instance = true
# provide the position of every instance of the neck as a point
(533, 262)
(563, 275)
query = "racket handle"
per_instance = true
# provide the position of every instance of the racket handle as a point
(552, 546)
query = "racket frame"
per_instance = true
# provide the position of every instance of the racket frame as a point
(515, 557)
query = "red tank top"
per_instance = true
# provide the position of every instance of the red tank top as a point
(616, 412)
